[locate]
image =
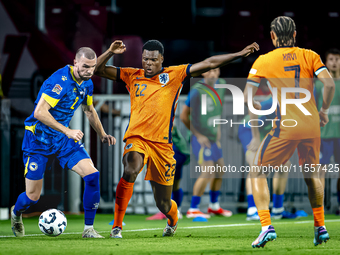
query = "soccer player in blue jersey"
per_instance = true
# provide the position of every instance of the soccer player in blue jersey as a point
(48, 136)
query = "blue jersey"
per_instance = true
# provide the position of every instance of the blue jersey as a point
(64, 94)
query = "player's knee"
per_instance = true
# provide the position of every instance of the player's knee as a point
(34, 196)
(312, 182)
(130, 174)
(92, 179)
(133, 158)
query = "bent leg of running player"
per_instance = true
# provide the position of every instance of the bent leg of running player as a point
(133, 163)
(309, 150)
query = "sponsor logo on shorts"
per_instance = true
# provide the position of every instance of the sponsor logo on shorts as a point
(57, 89)
(33, 166)
(129, 146)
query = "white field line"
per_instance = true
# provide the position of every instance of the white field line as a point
(193, 227)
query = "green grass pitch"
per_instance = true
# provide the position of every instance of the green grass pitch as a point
(219, 235)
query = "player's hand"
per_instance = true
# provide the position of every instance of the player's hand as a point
(254, 144)
(117, 47)
(203, 141)
(250, 49)
(323, 119)
(257, 105)
(74, 134)
(109, 139)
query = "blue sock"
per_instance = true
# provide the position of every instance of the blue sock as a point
(91, 197)
(339, 197)
(22, 204)
(214, 196)
(177, 196)
(195, 201)
(278, 201)
(251, 202)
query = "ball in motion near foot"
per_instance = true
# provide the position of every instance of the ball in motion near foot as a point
(52, 222)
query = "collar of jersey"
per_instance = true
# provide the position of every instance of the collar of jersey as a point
(72, 75)
(146, 76)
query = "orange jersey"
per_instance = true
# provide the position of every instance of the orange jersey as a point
(291, 67)
(153, 101)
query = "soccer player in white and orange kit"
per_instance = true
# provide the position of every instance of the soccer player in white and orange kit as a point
(290, 66)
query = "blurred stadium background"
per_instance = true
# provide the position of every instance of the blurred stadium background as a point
(37, 37)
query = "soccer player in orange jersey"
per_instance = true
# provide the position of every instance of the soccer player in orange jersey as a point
(154, 92)
(289, 67)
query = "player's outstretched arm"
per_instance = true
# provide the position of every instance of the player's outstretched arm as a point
(221, 60)
(93, 118)
(328, 94)
(42, 114)
(109, 72)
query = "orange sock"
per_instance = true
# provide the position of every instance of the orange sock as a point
(264, 217)
(172, 214)
(123, 195)
(319, 216)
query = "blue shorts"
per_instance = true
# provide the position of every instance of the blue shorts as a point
(245, 136)
(38, 156)
(328, 148)
(180, 160)
(206, 154)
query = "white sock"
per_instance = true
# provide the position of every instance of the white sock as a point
(251, 210)
(214, 206)
(278, 210)
(88, 226)
(265, 228)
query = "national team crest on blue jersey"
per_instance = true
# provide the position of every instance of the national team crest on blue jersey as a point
(163, 78)
(57, 89)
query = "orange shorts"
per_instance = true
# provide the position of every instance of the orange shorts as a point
(159, 157)
(275, 151)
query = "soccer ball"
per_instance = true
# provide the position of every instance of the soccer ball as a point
(52, 222)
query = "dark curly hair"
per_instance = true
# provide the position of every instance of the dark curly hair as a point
(152, 45)
(284, 28)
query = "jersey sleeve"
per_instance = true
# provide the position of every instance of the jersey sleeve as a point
(318, 65)
(182, 71)
(88, 100)
(125, 74)
(256, 72)
(52, 91)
